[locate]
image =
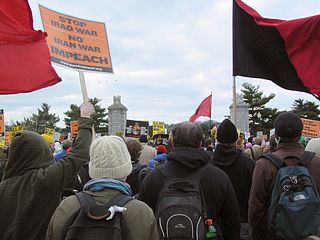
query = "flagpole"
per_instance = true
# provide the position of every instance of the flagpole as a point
(85, 95)
(234, 110)
(83, 87)
(210, 112)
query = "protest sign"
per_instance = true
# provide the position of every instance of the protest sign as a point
(311, 128)
(76, 43)
(7, 138)
(136, 128)
(15, 129)
(49, 131)
(157, 127)
(74, 128)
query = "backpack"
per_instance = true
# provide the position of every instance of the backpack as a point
(294, 211)
(89, 222)
(181, 211)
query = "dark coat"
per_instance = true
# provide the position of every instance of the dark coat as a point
(239, 168)
(32, 182)
(263, 179)
(218, 191)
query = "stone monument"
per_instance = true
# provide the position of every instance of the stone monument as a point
(242, 114)
(117, 117)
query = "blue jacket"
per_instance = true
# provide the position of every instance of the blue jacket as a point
(160, 158)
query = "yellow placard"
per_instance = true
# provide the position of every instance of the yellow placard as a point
(75, 42)
(311, 128)
(49, 131)
(16, 129)
(74, 128)
(2, 142)
(157, 127)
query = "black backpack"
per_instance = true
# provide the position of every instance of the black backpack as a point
(89, 222)
(181, 209)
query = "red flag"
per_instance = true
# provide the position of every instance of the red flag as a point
(283, 51)
(204, 109)
(25, 59)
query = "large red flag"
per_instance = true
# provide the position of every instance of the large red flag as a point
(283, 51)
(204, 109)
(24, 56)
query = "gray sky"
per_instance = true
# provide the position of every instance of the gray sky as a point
(167, 57)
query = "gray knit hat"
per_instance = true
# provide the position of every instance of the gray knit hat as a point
(109, 158)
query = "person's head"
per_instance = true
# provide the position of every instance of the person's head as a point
(66, 144)
(227, 132)
(186, 134)
(109, 158)
(134, 148)
(257, 141)
(28, 150)
(288, 127)
(239, 144)
(161, 149)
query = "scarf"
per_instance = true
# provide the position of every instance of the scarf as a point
(99, 184)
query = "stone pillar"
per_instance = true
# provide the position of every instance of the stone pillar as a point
(242, 113)
(117, 117)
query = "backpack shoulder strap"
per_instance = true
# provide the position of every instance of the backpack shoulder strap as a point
(85, 199)
(120, 200)
(307, 157)
(200, 172)
(275, 160)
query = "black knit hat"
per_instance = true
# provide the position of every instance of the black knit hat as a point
(288, 125)
(227, 132)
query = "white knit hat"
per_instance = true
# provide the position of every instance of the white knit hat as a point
(314, 146)
(109, 158)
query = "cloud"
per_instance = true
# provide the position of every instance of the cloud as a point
(167, 57)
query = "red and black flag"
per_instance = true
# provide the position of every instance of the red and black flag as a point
(285, 52)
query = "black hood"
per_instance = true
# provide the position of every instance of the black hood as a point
(188, 158)
(28, 150)
(225, 156)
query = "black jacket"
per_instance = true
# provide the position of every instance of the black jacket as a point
(239, 168)
(218, 191)
(32, 182)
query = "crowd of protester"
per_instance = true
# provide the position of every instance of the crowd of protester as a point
(234, 174)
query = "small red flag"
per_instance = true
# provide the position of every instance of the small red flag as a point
(204, 109)
(25, 59)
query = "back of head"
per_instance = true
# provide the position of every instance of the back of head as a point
(28, 150)
(134, 148)
(288, 126)
(109, 158)
(257, 141)
(161, 149)
(227, 132)
(186, 134)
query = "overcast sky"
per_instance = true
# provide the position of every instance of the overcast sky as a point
(167, 57)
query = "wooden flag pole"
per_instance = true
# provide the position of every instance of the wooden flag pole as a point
(234, 104)
(83, 87)
(85, 95)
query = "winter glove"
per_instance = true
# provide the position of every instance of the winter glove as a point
(86, 110)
